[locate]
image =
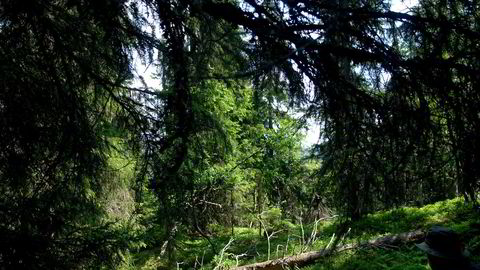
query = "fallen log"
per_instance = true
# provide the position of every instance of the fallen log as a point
(308, 258)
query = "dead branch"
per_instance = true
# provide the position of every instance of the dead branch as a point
(307, 258)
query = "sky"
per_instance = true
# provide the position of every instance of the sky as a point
(403, 6)
(313, 132)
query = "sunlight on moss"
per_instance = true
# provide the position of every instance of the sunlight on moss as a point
(450, 213)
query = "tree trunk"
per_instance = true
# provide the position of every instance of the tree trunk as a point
(308, 258)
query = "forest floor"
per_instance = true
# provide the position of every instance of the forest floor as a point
(249, 247)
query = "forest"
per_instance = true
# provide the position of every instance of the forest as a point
(203, 162)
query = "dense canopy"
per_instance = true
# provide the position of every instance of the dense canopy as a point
(93, 157)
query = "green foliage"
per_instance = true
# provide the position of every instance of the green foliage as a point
(58, 61)
(92, 168)
(404, 257)
(248, 242)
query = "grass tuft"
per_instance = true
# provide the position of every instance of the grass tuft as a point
(249, 247)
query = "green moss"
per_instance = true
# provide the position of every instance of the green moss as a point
(405, 257)
(450, 213)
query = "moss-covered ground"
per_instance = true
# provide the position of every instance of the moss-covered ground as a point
(249, 247)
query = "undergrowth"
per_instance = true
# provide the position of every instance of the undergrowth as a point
(249, 246)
